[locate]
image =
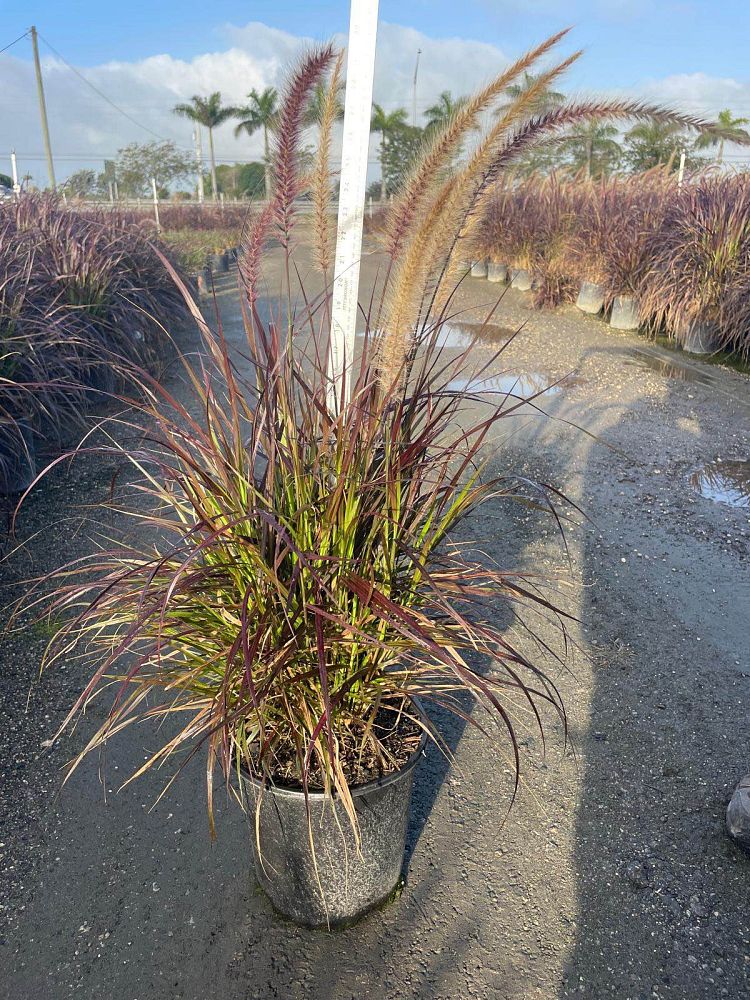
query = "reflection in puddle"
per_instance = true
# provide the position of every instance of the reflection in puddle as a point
(515, 384)
(724, 482)
(459, 335)
(670, 369)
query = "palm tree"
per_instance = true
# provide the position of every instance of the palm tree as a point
(261, 113)
(207, 111)
(385, 122)
(729, 130)
(593, 147)
(441, 113)
(654, 143)
(545, 100)
(314, 109)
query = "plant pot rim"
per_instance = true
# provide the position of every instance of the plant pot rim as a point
(358, 790)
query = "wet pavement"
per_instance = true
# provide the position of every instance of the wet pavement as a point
(724, 482)
(611, 877)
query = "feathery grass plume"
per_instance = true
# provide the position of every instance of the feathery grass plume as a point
(278, 213)
(436, 234)
(292, 122)
(321, 178)
(409, 201)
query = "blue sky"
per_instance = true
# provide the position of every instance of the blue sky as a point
(626, 39)
(148, 56)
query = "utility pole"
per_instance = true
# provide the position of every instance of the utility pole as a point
(414, 91)
(43, 109)
(199, 161)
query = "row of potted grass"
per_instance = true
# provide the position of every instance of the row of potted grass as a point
(84, 301)
(674, 260)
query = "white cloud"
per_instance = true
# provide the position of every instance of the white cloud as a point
(85, 129)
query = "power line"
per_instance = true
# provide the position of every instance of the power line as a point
(102, 94)
(20, 37)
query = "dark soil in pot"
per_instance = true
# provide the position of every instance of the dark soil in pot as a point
(336, 878)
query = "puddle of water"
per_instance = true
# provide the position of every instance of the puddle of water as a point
(462, 335)
(514, 383)
(459, 336)
(724, 482)
(669, 369)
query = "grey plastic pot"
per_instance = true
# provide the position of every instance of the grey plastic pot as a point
(337, 882)
(204, 281)
(497, 272)
(700, 338)
(17, 456)
(520, 279)
(590, 298)
(479, 269)
(625, 313)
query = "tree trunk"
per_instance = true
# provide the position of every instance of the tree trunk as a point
(720, 157)
(267, 163)
(213, 163)
(589, 156)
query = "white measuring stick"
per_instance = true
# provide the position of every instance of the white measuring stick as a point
(360, 69)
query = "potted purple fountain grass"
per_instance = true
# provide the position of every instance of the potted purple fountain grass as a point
(305, 599)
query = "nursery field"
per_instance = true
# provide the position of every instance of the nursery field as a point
(611, 876)
(85, 302)
(671, 259)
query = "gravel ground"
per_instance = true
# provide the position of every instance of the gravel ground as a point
(612, 875)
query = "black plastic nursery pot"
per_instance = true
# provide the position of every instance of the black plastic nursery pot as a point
(219, 263)
(333, 880)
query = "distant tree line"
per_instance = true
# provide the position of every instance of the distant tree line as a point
(595, 149)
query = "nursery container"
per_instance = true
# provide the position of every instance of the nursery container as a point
(625, 313)
(590, 298)
(339, 881)
(204, 281)
(520, 278)
(700, 338)
(497, 272)
(17, 456)
(219, 263)
(479, 269)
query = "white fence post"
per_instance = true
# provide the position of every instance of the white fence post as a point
(156, 204)
(14, 173)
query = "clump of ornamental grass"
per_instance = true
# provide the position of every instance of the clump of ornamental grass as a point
(84, 297)
(699, 263)
(555, 208)
(295, 569)
(615, 236)
(193, 248)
